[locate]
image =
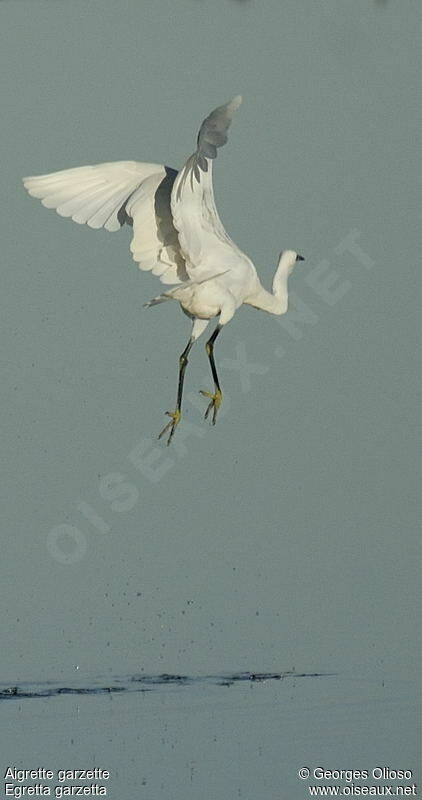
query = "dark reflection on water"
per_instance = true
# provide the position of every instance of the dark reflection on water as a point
(144, 683)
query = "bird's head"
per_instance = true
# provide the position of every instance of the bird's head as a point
(288, 259)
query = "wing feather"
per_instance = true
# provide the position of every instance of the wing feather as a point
(205, 244)
(111, 194)
(177, 233)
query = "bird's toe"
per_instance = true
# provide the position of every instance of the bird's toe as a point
(171, 426)
(213, 405)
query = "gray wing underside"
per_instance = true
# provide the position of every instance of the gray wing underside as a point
(213, 134)
(205, 244)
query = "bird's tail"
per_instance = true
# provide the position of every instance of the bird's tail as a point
(171, 294)
(156, 300)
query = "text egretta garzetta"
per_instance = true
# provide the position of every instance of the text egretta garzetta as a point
(177, 235)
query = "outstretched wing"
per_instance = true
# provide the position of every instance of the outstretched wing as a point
(205, 245)
(112, 194)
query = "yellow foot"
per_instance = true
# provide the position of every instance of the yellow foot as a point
(214, 404)
(172, 425)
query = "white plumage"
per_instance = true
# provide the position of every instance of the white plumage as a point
(177, 235)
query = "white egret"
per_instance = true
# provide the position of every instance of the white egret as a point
(177, 235)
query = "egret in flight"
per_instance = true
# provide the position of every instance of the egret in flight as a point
(177, 235)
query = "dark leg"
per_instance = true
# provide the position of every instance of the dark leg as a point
(216, 398)
(175, 415)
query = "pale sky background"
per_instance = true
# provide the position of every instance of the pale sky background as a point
(288, 535)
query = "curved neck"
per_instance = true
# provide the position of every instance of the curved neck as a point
(274, 302)
(280, 279)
